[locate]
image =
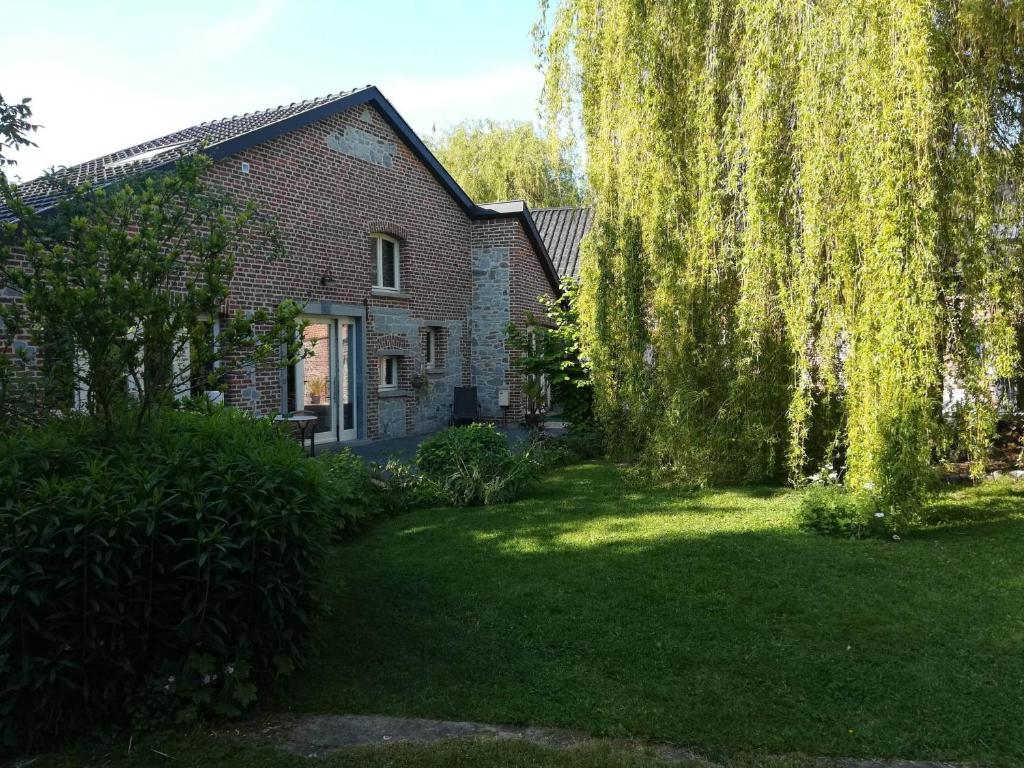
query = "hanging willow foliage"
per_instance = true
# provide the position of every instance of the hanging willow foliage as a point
(806, 235)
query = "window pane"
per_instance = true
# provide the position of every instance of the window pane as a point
(317, 368)
(290, 393)
(201, 358)
(387, 264)
(430, 348)
(388, 371)
(348, 405)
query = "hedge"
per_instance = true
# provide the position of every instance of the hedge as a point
(168, 570)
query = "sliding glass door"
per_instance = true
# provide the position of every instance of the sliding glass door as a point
(323, 381)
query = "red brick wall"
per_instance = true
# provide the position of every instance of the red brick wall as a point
(327, 205)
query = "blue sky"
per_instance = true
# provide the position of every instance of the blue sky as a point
(104, 75)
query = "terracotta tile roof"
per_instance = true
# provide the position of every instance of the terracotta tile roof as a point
(562, 229)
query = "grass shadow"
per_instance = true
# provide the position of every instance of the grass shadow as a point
(703, 619)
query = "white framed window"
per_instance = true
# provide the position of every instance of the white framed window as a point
(80, 396)
(388, 272)
(192, 374)
(430, 348)
(389, 372)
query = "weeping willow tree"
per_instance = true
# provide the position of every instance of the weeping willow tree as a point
(508, 161)
(806, 247)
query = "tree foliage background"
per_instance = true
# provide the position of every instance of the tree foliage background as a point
(807, 227)
(508, 161)
(15, 126)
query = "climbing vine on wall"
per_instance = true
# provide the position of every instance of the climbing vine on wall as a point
(806, 247)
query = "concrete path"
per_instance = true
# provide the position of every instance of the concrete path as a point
(317, 735)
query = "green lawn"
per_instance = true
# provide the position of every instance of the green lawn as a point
(701, 619)
(704, 619)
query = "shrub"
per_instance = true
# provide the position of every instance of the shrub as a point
(364, 492)
(834, 511)
(478, 444)
(170, 571)
(358, 496)
(522, 469)
(473, 465)
(404, 489)
(582, 442)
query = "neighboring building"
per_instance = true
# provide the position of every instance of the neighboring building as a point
(562, 230)
(405, 279)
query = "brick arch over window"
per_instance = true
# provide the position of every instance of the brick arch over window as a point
(393, 341)
(387, 227)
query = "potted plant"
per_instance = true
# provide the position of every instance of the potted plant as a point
(316, 389)
(420, 383)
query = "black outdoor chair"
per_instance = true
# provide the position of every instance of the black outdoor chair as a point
(465, 407)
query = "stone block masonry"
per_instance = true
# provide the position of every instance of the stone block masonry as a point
(356, 142)
(434, 402)
(489, 359)
(427, 407)
(392, 418)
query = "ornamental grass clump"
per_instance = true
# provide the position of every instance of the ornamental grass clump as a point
(365, 492)
(165, 572)
(473, 465)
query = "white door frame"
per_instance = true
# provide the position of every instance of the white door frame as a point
(338, 376)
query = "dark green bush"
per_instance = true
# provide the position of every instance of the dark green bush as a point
(834, 511)
(404, 489)
(473, 465)
(358, 494)
(169, 570)
(479, 444)
(364, 492)
(580, 443)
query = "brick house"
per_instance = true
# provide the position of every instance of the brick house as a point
(407, 284)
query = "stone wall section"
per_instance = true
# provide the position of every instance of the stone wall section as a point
(489, 358)
(507, 280)
(529, 283)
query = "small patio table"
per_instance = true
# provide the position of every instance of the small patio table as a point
(303, 421)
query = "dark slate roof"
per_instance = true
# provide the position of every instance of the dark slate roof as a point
(221, 138)
(159, 153)
(562, 229)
